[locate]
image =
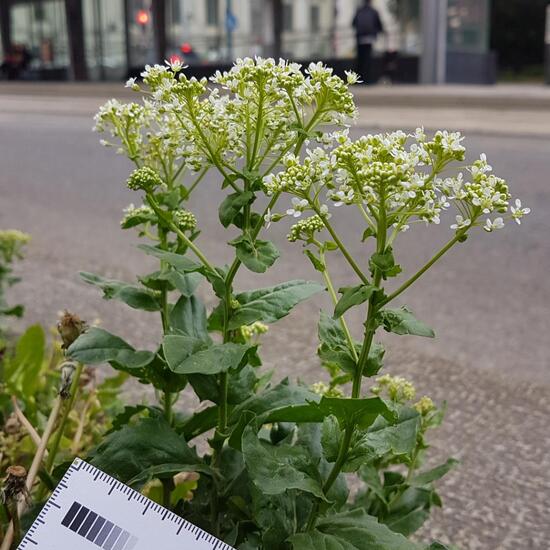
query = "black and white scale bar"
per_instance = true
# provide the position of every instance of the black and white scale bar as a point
(91, 510)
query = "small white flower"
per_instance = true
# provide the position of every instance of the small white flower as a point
(175, 64)
(299, 205)
(461, 223)
(268, 218)
(497, 223)
(131, 82)
(352, 78)
(518, 212)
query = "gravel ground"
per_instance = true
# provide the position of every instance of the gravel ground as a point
(488, 303)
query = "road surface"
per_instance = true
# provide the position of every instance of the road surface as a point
(488, 302)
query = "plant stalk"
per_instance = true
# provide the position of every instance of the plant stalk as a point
(69, 404)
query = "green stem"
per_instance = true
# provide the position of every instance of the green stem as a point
(64, 419)
(195, 183)
(370, 329)
(167, 396)
(334, 297)
(188, 242)
(340, 244)
(423, 270)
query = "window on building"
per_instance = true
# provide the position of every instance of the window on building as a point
(288, 17)
(212, 13)
(315, 17)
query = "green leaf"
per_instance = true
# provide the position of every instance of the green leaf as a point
(256, 255)
(199, 423)
(353, 530)
(280, 397)
(99, 346)
(360, 412)
(335, 353)
(241, 384)
(385, 264)
(13, 311)
(177, 261)
(397, 436)
(138, 217)
(271, 304)
(186, 355)
(132, 295)
(410, 511)
(425, 478)
(232, 204)
(277, 469)
(21, 373)
(188, 316)
(330, 332)
(150, 448)
(370, 476)
(330, 438)
(186, 283)
(352, 296)
(317, 264)
(402, 321)
(374, 360)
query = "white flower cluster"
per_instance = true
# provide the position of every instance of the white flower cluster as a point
(255, 112)
(397, 179)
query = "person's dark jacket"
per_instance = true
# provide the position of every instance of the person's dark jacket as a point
(367, 22)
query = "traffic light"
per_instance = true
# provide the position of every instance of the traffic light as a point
(142, 17)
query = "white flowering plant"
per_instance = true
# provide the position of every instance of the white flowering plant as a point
(276, 458)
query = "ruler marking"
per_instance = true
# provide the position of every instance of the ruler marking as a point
(69, 516)
(82, 513)
(88, 522)
(131, 543)
(78, 517)
(111, 539)
(96, 527)
(103, 533)
(124, 536)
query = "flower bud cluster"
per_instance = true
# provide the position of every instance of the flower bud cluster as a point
(135, 216)
(185, 220)
(299, 176)
(304, 230)
(399, 176)
(397, 388)
(144, 178)
(323, 389)
(254, 330)
(11, 243)
(424, 405)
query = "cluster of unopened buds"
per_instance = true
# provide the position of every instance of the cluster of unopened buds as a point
(398, 174)
(145, 179)
(256, 329)
(185, 220)
(321, 388)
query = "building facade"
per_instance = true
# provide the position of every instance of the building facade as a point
(106, 39)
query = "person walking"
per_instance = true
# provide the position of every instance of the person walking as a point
(368, 26)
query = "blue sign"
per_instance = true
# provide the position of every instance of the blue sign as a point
(230, 21)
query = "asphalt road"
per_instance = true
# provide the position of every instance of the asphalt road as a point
(488, 302)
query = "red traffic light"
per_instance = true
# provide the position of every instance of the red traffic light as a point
(142, 17)
(186, 48)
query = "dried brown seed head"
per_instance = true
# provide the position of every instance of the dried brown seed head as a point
(70, 327)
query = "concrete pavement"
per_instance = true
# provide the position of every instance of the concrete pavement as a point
(519, 110)
(488, 302)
